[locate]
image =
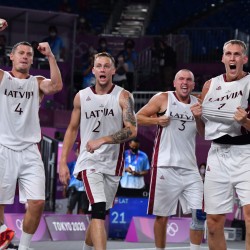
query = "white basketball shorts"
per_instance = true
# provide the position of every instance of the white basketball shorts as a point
(228, 168)
(170, 184)
(100, 187)
(27, 168)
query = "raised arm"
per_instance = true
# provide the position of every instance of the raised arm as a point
(3, 26)
(69, 139)
(54, 84)
(130, 126)
(147, 115)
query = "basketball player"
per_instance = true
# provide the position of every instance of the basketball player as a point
(223, 118)
(106, 119)
(20, 98)
(174, 174)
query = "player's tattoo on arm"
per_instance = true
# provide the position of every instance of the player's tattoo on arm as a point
(129, 114)
(122, 135)
(128, 117)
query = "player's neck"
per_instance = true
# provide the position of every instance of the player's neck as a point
(20, 75)
(229, 78)
(103, 89)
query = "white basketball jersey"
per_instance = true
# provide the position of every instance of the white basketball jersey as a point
(220, 103)
(19, 106)
(175, 144)
(101, 115)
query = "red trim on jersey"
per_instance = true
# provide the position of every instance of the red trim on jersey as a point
(120, 161)
(28, 76)
(225, 77)
(189, 101)
(156, 146)
(111, 89)
(152, 190)
(87, 186)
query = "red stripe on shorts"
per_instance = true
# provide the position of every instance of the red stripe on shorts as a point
(87, 186)
(152, 190)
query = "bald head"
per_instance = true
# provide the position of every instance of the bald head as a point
(180, 72)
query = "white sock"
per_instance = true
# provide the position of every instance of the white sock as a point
(87, 247)
(158, 248)
(3, 228)
(25, 241)
(194, 247)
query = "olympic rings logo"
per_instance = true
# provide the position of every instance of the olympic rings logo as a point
(172, 229)
(19, 224)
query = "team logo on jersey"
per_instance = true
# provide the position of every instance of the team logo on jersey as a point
(162, 177)
(101, 106)
(88, 99)
(99, 113)
(218, 88)
(233, 95)
(208, 168)
(10, 78)
(18, 94)
(184, 116)
(174, 103)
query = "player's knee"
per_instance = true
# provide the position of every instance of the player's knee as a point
(35, 206)
(98, 210)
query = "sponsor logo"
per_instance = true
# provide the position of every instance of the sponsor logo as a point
(172, 229)
(69, 226)
(19, 224)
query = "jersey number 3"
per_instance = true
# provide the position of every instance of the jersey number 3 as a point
(183, 125)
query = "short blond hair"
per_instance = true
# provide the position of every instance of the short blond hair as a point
(105, 54)
(237, 42)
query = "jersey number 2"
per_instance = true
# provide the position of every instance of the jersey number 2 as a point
(96, 128)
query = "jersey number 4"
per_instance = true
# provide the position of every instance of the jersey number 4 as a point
(19, 109)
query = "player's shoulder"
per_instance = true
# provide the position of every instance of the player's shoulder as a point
(125, 94)
(160, 97)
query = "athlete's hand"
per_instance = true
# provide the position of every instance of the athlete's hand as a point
(3, 24)
(129, 170)
(163, 121)
(44, 48)
(92, 145)
(196, 109)
(64, 174)
(241, 115)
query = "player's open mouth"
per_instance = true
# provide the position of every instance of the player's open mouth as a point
(102, 77)
(232, 66)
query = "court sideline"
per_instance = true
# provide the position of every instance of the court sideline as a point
(118, 245)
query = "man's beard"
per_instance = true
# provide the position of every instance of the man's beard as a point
(23, 71)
